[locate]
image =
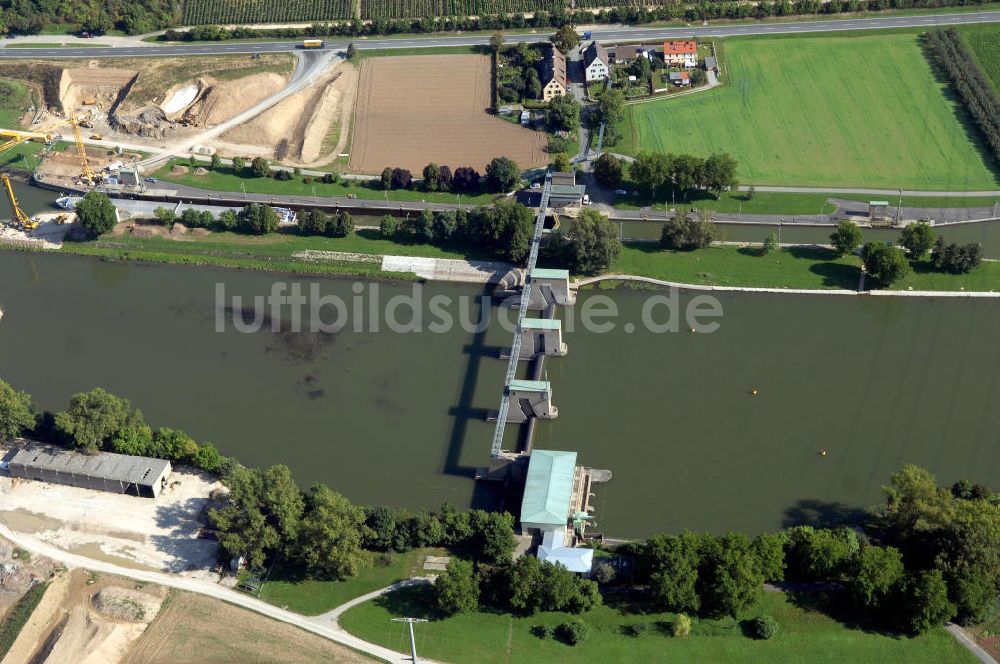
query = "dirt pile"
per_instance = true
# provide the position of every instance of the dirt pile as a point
(123, 604)
(224, 99)
(298, 130)
(150, 122)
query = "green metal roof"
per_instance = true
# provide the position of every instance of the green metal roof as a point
(549, 273)
(542, 323)
(529, 385)
(549, 487)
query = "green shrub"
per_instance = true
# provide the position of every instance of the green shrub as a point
(542, 631)
(763, 627)
(573, 633)
(635, 629)
(681, 626)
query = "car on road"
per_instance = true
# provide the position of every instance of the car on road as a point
(151, 180)
(536, 185)
(621, 192)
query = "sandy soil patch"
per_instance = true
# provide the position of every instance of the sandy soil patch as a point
(416, 109)
(156, 533)
(224, 99)
(304, 120)
(102, 85)
(86, 619)
(199, 630)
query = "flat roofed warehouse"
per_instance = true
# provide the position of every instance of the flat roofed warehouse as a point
(104, 471)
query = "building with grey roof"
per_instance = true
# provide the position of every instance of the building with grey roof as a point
(102, 471)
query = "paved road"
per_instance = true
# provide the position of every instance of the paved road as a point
(963, 637)
(604, 34)
(207, 588)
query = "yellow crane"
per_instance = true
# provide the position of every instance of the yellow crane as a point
(11, 140)
(88, 175)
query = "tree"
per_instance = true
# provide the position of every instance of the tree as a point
(387, 178)
(352, 51)
(492, 537)
(239, 164)
(227, 221)
(165, 216)
(423, 225)
(924, 603)
(819, 554)
(770, 553)
(383, 529)
(445, 225)
(329, 537)
(135, 440)
(340, 225)
(875, 575)
(698, 77)
(502, 174)
(682, 232)
(457, 590)
(208, 458)
(457, 525)
(751, 192)
(432, 177)
(956, 259)
(257, 219)
(565, 39)
(885, 264)
(388, 226)
(608, 170)
(259, 167)
(244, 528)
(650, 171)
(611, 110)
(917, 239)
(401, 178)
(16, 416)
(444, 178)
(313, 222)
(94, 418)
(526, 578)
(561, 163)
(509, 226)
(96, 213)
(466, 179)
(573, 633)
(681, 625)
(673, 561)
(729, 575)
(216, 162)
(770, 244)
(593, 241)
(718, 173)
(846, 237)
(496, 41)
(564, 114)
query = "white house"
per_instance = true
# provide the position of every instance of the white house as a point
(680, 54)
(596, 64)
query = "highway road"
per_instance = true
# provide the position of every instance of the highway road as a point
(603, 34)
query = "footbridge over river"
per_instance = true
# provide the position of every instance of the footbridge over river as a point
(526, 399)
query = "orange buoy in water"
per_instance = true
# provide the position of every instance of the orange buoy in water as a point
(754, 391)
(693, 330)
(822, 451)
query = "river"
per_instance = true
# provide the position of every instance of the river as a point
(397, 419)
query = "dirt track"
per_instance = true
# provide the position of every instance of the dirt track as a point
(415, 109)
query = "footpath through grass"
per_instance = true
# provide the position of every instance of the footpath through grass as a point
(493, 638)
(226, 179)
(844, 110)
(311, 597)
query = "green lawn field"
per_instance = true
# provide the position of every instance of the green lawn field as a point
(823, 111)
(984, 40)
(488, 638)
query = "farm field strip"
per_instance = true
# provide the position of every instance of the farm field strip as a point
(199, 12)
(412, 110)
(375, 9)
(984, 40)
(824, 111)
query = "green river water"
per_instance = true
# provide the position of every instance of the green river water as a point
(398, 418)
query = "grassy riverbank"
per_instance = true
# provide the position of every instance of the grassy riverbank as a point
(227, 179)
(802, 267)
(494, 638)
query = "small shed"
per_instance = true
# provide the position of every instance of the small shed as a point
(680, 78)
(878, 209)
(711, 64)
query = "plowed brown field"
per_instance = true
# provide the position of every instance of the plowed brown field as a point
(416, 109)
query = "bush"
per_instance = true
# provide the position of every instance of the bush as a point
(681, 625)
(884, 263)
(845, 238)
(763, 627)
(635, 629)
(684, 233)
(282, 175)
(542, 631)
(573, 633)
(604, 573)
(388, 227)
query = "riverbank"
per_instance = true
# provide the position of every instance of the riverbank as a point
(803, 269)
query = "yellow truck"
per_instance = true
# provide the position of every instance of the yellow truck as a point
(313, 43)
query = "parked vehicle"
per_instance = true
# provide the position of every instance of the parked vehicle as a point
(313, 43)
(536, 185)
(621, 192)
(587, 35)
(586, 199)
(151, 180)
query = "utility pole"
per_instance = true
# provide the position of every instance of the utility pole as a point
(413, 641)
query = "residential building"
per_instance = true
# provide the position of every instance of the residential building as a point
(596, 64)
(680, 78)
(553, 75)
(628, 52)
(680, 53)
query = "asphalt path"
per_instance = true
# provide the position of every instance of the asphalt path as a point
(604, 34)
